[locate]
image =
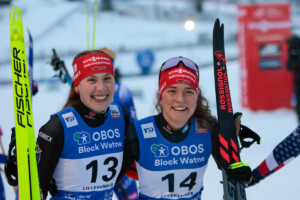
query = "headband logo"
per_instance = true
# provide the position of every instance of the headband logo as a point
(95, 59)
(183, 81)
(75, 67)
(77, 74)
(162, 87)
(99, 68)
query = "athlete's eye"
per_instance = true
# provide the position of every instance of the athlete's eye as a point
(190, 92)
(172, 91)
(107, 78)
(91, 80)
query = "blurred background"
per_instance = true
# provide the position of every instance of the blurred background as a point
(145, 33)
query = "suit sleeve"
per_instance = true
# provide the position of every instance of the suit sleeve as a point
(283, 153)
(131, 153)
(50, 142)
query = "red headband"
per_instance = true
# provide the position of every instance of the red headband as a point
(175, 75)
(91, 64)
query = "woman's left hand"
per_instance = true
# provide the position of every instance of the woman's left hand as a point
(240, 172)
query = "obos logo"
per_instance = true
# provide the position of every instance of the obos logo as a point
(160, 150)
(148, 130)
(82, 138)
(186, 150)
(70, 119)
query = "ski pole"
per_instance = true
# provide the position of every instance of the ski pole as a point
(95, 18)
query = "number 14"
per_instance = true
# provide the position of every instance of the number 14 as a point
(189, 182)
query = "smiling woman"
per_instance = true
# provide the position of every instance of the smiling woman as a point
(96, 91)
(178, 103)
(171, 149)
(83, 158)
(94, 72)
(87, 113)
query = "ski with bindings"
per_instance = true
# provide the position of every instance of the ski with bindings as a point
(28, 182)
(229, 146)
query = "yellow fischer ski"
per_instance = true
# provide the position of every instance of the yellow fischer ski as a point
(28, 181)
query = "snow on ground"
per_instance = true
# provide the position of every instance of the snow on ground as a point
(114, 31)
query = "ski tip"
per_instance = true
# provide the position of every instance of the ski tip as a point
(15, 15)
(28, 31)
(217, 23)
(30, 36)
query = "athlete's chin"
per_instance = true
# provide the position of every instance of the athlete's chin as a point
(180, 118)
(100, 108)
(182, 113)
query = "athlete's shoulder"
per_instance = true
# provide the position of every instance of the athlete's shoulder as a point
(145, 119)
(145, 125)
(131, 133)
(52, 130)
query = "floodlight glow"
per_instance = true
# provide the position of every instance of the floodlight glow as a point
(189, 25)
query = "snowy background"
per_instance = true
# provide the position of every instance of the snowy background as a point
(138, 25)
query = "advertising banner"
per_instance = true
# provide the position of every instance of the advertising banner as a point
(263, 52)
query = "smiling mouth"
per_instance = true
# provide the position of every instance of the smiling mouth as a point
(100, 97)
(180, 108)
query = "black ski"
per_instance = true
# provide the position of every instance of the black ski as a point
(229, 149)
